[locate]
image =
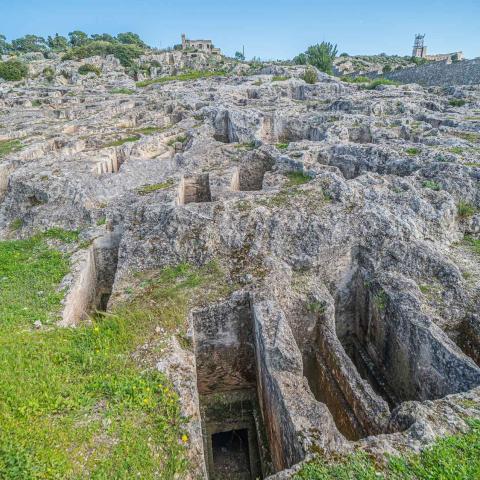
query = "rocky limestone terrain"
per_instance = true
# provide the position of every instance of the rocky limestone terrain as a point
(345, 222)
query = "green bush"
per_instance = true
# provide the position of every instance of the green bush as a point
(432, 185)
(89, 68)
(387, 69)
(465, 209)
(49, 73)
(457, 102)
(13, 70)
(320, 56)
(310, 75)
(413, 151)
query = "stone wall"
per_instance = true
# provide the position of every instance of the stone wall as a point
(466, 72)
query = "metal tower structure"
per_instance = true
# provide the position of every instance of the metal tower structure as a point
(419, 48)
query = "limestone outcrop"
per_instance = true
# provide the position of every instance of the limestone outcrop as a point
(343, 218)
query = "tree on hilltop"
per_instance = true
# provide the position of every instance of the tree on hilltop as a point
(58, 43)
(320, 56)
(5, 47)
(130, 38)
(78, 38)
(239, 56)
(29, 43)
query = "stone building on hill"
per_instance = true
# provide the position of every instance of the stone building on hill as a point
(202, 45)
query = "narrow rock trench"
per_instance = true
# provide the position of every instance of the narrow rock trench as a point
(93, 285)
(235, 444)
(372, 352)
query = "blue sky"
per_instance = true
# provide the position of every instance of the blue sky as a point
(269, 29)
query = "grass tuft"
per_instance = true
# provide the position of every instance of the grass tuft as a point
(432, 185)
(412, 151)
(465, 209)
(297, 178)
(122, 91)
(146, 189)
(9, 146)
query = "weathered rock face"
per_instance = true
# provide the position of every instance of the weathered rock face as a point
(335, 212)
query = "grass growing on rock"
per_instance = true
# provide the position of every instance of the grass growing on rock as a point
(380, 81)
(473, 243)
(297, 178)
(146, 189)
(412, 151)
(9, 146)
(122, 141)
(122, 91)
(75, 404)
(456, 457)
(183, 77)
(465, 209)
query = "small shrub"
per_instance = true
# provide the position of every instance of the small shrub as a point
(13, 70)
(282, 146)
(465, 209)
(16, 224)
(317, 307)
(380, 299)
(432, 185)
(387, 69)
(412, 151)
(457, 102)
(49, 73)
(36, 103)
(279, 78)
(457, 150)
(89, 68)
(310, 76)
